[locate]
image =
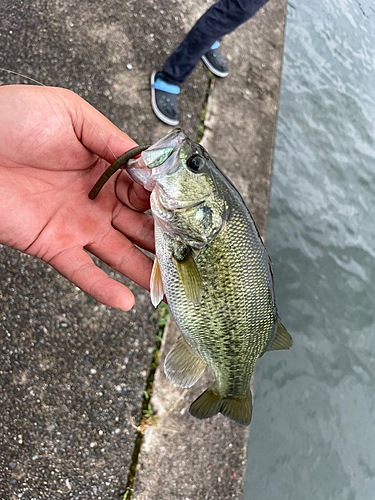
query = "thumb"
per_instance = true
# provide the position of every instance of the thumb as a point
(96, 132)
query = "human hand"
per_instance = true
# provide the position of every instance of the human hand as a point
(53, 148)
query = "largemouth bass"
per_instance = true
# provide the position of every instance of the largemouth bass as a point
(215, 272)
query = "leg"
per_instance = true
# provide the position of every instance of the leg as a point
(219, 20)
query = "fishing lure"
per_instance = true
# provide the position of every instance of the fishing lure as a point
(118, 163)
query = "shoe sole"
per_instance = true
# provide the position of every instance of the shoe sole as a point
(221, 74)
(155, 108)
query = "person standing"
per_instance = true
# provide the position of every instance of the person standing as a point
(202, 42)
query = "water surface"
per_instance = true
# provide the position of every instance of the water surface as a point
(313, 429)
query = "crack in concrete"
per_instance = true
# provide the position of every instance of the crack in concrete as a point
(209, 89)
(164, 314)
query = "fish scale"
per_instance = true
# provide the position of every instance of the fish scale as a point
(215, 272)
(240, 301)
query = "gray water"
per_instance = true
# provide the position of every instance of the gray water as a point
(313, 429)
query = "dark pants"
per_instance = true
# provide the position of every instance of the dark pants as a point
(219, 20)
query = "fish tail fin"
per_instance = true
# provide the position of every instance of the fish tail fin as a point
(210, 402)
(238, 408)
(207, 404)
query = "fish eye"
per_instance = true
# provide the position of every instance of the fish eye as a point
(195, 163)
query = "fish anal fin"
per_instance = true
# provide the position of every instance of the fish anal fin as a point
(156, 284)
(182, 365)
(207, 404)
(282, 339)
(190, 277)
(238, 409)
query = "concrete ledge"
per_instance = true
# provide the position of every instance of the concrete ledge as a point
(184, 458)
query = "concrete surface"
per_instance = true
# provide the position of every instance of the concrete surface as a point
(71, 370)
(71, 373)
(207, 459)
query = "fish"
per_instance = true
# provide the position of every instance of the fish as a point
(215, 272)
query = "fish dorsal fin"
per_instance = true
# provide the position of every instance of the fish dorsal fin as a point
(189, 276)
(282, 339)
(182, 365)
(156, 284)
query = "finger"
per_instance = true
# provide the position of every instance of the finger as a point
(131, 194)
(77, 266)
(120, 254)
(138, 227)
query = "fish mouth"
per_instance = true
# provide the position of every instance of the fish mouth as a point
(162, 158)
(153, 162)
(156, 156)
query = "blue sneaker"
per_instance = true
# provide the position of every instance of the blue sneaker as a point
(215, 62)
(164, 100)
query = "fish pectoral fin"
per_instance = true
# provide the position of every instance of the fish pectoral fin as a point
(238, 408)
(207, 404)
(156, 284)
(282, 339)
(189, 276)
(182, 365)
